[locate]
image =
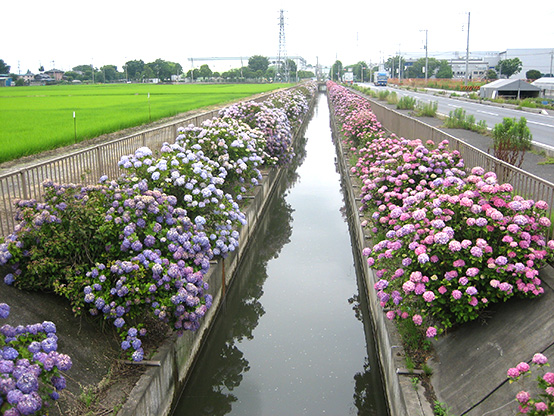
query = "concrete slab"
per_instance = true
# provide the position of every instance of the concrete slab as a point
(471, 361)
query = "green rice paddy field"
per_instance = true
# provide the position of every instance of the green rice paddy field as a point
(34, 119)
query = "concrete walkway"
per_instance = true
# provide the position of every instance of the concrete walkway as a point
(471, 362)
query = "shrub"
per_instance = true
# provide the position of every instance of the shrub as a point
(383, 95)
(427, 109)
(406, 103)
(451, 244)
(458, 119)
(392, 98)
(458, 246)
(143, 242)
(511, 139)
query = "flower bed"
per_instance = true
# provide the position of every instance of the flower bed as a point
(144, 241)
(447, 243)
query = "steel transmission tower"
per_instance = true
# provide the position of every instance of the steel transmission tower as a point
(282, 64)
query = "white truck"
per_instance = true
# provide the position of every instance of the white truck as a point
(380, 78)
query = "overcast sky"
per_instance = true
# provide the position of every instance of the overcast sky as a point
(67, 33)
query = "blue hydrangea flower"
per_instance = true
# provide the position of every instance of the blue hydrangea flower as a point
(4, 310)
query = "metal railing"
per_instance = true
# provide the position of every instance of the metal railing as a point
(86, 166)
(524, 183)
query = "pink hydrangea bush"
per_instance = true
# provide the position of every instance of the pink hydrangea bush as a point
(358, 123)
(465, 243)
(393, 169)
(448, 244)
(542, 404)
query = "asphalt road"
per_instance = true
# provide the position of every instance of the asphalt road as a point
(540, 125)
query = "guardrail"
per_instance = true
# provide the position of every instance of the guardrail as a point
(524, 183)
(85, 166)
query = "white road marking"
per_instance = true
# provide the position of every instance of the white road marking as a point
(540, 124)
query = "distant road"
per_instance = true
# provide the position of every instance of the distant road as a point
(540, 125)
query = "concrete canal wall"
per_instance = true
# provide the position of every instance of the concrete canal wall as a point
(159, 387)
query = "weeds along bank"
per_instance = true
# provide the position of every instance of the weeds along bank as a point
(447, 240)
(141, 243)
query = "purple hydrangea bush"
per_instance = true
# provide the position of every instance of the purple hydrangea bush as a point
(447, 244)
(295, 102)
(31, 368)
(196, 182)
(234, 145)
(144, 241)
(536, 400)
(274, 124)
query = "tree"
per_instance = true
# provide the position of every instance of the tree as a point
(336, 71)
(444, 70)
(82, 72)
(134, 69)
(392, 65)
(417, 69)
(258, 63)
(358, 72)
(533, 74)
(194, 74)
(309, 74)
(491, 74)
(4, 68)
(205, 71)
(509, 67)
(109, 73)
(291, 65)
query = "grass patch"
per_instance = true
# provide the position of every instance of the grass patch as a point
(427, 110)
(406, 103)
(549, 160)
(458, 119)
(35, 119)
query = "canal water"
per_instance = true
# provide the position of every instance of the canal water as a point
(293, 336)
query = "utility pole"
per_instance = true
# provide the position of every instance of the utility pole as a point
(399, 65)
(467, 49)
(426, 56)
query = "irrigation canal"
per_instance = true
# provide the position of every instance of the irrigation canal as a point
(293, 336)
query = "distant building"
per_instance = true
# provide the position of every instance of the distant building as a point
(509, 88)
(5, 81)
(477, 68)
(480, 62)
(546, 84)
(55, 74)
(28, 77)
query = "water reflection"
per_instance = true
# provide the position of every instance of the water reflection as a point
(291, 344)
